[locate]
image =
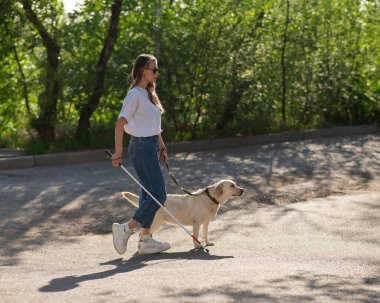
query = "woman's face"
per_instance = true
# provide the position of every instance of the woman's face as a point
(151, 72)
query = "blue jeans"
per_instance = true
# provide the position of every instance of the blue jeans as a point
(143, 152)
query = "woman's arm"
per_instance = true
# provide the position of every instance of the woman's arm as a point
(119, 136)
(163, 151)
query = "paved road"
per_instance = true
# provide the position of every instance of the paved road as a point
(326, 250)
(56, 246)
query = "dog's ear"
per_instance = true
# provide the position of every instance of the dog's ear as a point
(219, 189)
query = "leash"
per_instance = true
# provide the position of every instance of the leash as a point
(206, 190)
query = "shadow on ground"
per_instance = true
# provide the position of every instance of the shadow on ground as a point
(313, 288)
(123, 266)
(41, 203)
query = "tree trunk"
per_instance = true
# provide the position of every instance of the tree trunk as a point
(283, 64)
(25, 86)
(88, 109)
(45, 124)
(156, 35)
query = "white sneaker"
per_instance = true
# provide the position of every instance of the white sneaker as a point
(121, 234)
(149, 246)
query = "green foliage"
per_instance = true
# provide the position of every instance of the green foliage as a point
(35, 146)
(99, 137)
(227, 67)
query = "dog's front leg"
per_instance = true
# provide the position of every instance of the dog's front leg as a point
(196, 227)
(205, 234)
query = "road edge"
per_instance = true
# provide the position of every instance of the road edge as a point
(190, 146)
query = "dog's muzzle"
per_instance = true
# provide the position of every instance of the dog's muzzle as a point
(241, 192)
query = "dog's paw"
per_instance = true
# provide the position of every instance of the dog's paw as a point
(209, 243)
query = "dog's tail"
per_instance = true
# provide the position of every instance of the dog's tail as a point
(131, 198)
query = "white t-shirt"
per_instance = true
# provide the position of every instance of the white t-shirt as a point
(143, 117)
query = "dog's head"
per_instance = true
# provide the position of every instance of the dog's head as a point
(225, 190)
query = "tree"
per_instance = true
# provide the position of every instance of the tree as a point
(283, 62)
(46, 122)
(109, 42)
(226, 67)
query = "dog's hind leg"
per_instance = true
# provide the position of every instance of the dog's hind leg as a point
(157, 222)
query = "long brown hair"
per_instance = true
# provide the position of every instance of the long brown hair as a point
(141, 63)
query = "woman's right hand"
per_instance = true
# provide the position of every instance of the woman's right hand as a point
(119, 134)
(116, 160)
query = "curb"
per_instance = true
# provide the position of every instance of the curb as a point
(193, 146)
(51, 159)
(189, 146)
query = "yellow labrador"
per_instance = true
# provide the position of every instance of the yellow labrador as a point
(196, 211)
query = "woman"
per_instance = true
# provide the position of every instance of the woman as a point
(140, 117)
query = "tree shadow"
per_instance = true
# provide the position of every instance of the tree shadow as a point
(325, 216)
(39, 204)
(44, 203)
(297, 288)
(123, 266)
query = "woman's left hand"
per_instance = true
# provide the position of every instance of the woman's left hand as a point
(164, 155)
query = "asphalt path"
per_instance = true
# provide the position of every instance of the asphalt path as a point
(56, 244)
(326, 250)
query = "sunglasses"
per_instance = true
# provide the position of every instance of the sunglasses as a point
(154, 70)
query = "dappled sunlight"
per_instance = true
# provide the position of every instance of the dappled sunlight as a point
(303, 286)
(289, 164)
(71, 200)
(309, 220)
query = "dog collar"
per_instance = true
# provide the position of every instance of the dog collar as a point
(211, 198)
